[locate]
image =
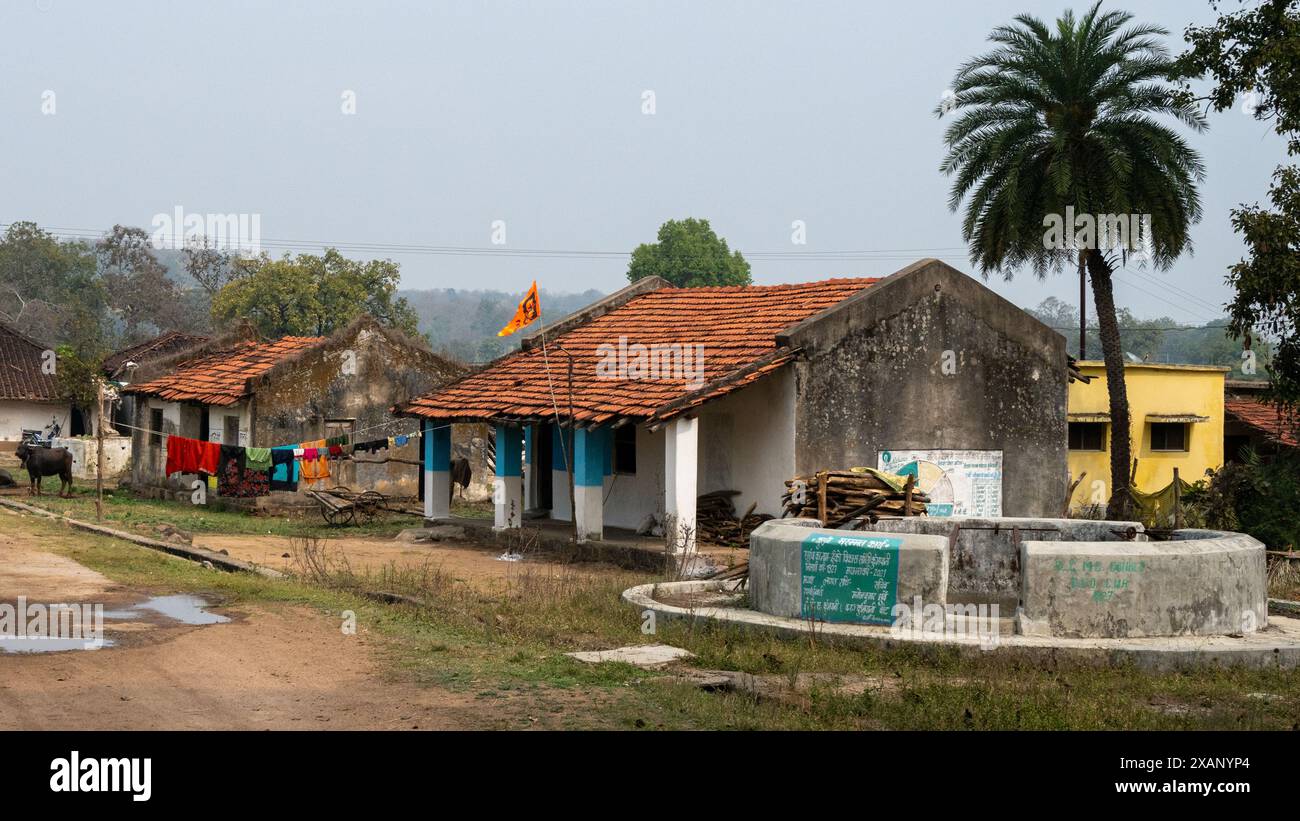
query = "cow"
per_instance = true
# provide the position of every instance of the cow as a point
(42, 462)
(460, 474)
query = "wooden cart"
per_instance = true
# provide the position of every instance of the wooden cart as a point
(341, 506)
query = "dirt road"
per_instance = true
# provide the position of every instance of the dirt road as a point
(276, 667)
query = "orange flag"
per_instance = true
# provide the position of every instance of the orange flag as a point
(529, 310)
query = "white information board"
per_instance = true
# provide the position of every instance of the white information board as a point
(958, 482)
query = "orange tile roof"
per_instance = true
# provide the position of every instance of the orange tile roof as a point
(737, 327)
(1265, 418)
(222, 377)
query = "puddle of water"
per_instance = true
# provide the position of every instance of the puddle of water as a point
(184, 609)
(50, 645)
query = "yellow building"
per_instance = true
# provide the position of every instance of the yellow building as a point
(1176, 421)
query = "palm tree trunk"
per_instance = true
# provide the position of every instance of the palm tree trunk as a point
(1099, 272)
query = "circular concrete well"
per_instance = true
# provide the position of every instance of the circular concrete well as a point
(1067, 578)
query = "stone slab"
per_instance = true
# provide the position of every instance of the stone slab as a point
(647, 656)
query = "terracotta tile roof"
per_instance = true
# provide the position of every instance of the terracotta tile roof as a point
(737, 327)
(20, 368)
(172, 342)
(1265, 418)
(222, 377)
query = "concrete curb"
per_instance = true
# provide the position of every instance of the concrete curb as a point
(1278, 646)
(195, 554)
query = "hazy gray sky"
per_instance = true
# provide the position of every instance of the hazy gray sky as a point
(531, 113)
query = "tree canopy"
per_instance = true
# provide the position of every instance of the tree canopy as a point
(1253, 54)
(689, 255)
(309, 295)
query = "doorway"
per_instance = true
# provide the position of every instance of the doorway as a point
(542, 464)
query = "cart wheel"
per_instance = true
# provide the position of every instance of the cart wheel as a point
(337, 518)
(368, 505)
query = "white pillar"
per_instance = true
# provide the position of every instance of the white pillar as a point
(680, 460)
(437, 470)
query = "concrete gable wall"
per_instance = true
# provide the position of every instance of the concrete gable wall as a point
(871, 379)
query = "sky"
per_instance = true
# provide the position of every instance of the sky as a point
(545, 140)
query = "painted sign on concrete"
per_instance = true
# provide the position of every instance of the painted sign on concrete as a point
(958, 482)
(852, 578)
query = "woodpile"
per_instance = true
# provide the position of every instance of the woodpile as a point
(859, 496)
(716, 521)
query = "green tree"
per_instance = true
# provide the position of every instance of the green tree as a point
(689, 255)
(136, 282)
(49, 289)
(78, 377)
(1057, 117)
(310, 295)
(1255, 52)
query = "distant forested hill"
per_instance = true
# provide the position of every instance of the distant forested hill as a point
(464, 324)
(1160, 339)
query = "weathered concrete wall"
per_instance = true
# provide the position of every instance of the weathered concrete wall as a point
(85, 456)
(1201, 584)
(359, 379)
(984, 554)
(775, 571)
(872, 378)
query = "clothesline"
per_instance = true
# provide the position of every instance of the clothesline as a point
(352, 435)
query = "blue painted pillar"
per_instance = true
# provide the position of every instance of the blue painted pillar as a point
(590, 458)
(508, 493)
(437, 469)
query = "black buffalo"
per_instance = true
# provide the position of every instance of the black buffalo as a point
(460, 474)
(42, 462)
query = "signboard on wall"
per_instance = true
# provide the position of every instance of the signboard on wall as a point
(958, 482)
(850, 578)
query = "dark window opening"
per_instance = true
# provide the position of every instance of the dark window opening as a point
(230, 430)
(1087, 436)
(625, 449)
(1168, 436)
(155, 427)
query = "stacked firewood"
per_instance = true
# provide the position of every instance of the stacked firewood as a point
(838, 497)
(716, 521)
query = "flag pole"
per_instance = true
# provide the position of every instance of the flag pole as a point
(566, 442)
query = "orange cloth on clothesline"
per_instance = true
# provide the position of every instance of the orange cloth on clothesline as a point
(318, 468)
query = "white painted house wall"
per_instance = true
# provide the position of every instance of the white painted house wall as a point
(217, 423)
(18, 415)
(629, 497)
(746, 443)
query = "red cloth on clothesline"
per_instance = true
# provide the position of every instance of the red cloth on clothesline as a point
(186, 455)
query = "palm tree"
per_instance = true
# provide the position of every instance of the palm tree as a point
(1062, 117)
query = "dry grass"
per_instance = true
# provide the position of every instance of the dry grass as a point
(1284, 579)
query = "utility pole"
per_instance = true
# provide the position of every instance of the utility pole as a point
(568, 447)
(1083, 309)
(99, 452)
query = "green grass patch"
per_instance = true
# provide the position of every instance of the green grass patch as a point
(124, 509)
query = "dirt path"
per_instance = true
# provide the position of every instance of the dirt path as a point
(282, 667)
